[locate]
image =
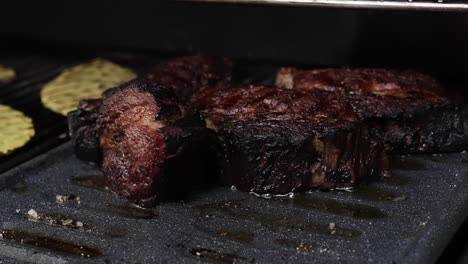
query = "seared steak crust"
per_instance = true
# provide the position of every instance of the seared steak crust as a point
(150, 146)
(410, 107)
(132, 143)
(83, 130)
(277, 141)
(187, 75)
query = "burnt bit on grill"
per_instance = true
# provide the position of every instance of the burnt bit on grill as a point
(49, 243)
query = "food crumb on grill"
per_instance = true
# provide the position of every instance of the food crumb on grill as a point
(332, 227)
(399, 198)
(64, 198)
(67, 222)
(32, 214)
(54, 219)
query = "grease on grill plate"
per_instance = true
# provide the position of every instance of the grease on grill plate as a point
(58, 246)
(234, 208)
(242, 236)
(212, 255)
(131, 211)
(335, 207)
(93, 181)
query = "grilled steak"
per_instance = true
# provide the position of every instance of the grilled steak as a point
(187, 75)
(276, 141)
(149, 147)
(184, 76)
(411, 108)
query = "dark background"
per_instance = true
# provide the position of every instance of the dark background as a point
(431, 42)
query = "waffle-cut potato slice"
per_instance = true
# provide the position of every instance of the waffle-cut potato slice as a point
(6, 74)
(85, 81)
(16, 129)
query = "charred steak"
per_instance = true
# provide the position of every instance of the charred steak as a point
(142, 133)
(277, 141)
(82, 125)
(410, 107)
(147, 146)
(183, 75)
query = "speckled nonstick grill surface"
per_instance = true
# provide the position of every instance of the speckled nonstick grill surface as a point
(408, 218)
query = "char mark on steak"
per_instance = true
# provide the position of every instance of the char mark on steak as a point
(277, 141)
(83, 130)
(186, 75)
(411, 108)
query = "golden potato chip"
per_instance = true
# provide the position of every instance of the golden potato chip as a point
(6, 73)
(16, 129)
(85, 81)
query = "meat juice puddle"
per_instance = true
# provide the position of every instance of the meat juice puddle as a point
(49, 243)
(334, 207)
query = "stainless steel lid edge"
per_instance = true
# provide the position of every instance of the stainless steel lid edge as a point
(369, 4)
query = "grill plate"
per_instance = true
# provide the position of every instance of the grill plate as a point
(225, 226)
